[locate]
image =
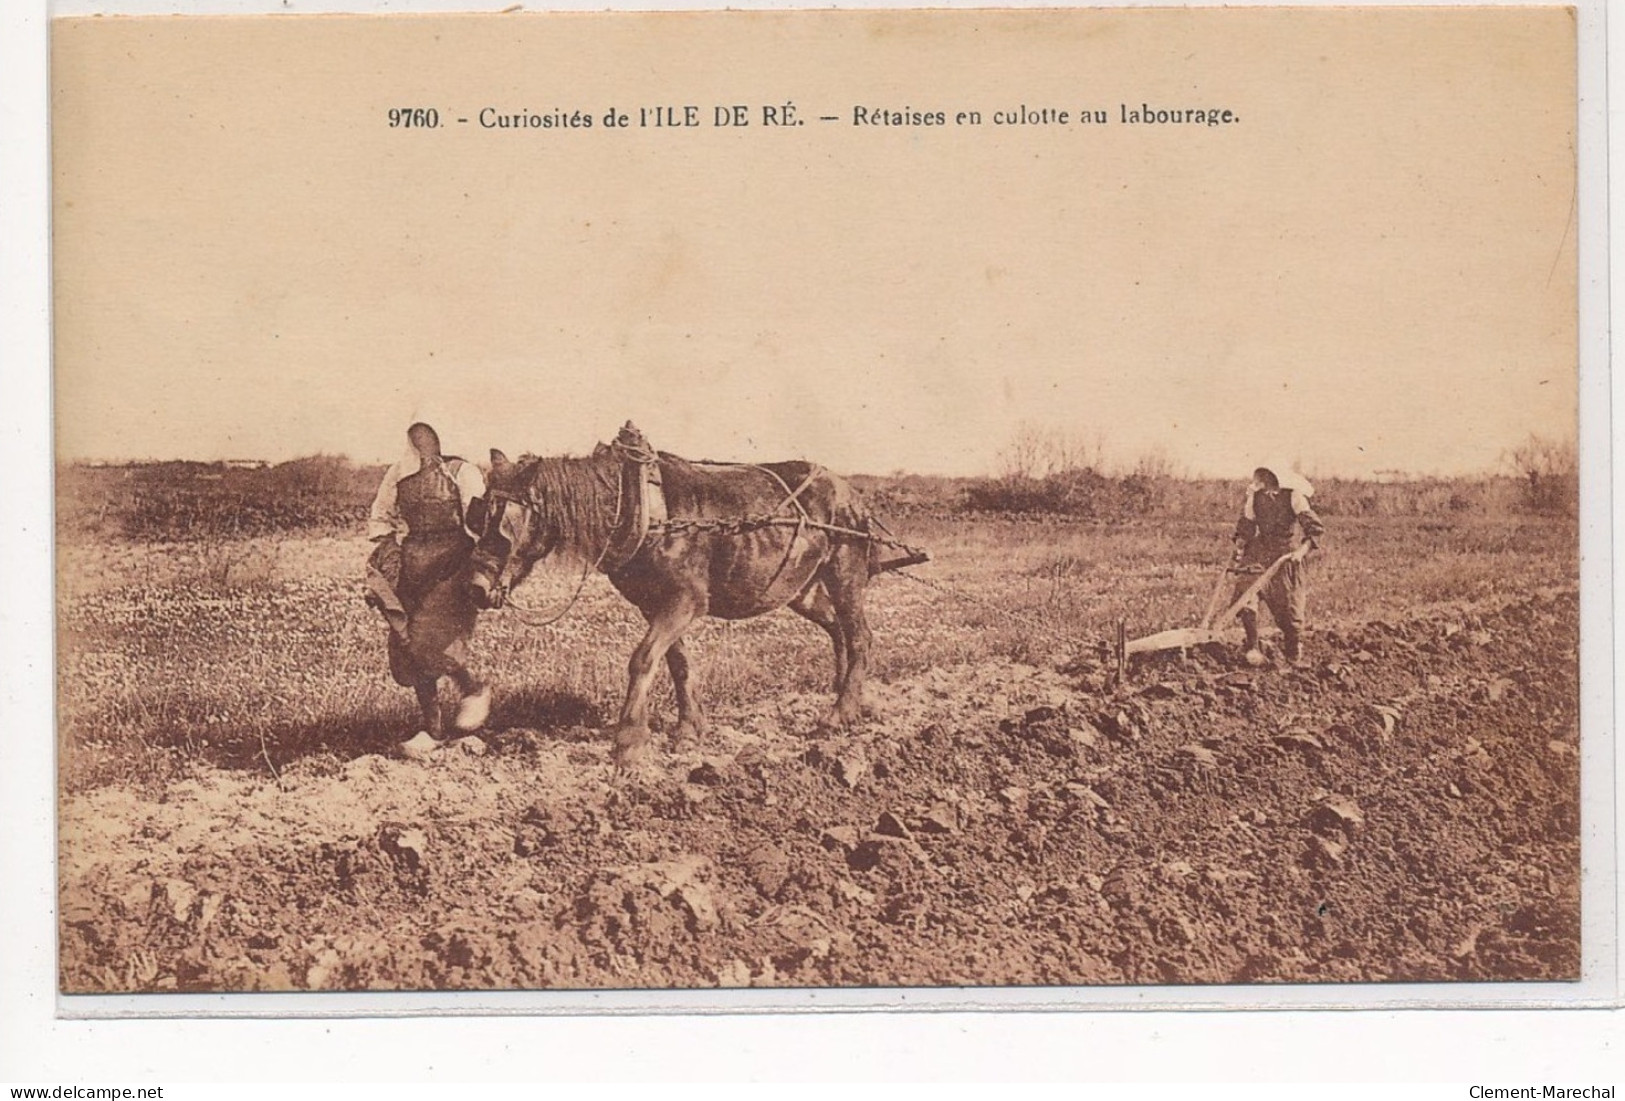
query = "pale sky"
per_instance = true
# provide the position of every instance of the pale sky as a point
(1373, 269)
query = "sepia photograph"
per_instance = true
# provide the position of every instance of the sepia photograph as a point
(840, 500)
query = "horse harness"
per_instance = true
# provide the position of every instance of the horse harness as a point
(640, 488)
(641, 513)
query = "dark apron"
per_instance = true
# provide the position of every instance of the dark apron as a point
(433, 587)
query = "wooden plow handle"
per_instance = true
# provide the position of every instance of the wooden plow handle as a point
(1254, 589)
(1216, 601)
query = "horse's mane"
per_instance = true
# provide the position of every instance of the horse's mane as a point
(576, 499)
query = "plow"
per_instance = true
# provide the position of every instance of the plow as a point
(1215, 617)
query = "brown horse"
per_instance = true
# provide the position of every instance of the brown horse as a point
(682, 540)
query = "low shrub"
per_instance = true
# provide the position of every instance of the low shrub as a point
(189, 501)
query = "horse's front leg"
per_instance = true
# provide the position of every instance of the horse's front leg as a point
(631, 735)
(691, 720)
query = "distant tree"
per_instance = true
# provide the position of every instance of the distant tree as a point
(1157, 465)
(1550, 472)
(1037, 451)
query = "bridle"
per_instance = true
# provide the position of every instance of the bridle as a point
(496, 504)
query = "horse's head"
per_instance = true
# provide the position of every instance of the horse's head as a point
(512, 537)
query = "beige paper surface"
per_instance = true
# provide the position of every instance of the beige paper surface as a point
(1047, 286)
(1372, 269)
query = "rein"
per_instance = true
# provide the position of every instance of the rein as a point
(525, 615)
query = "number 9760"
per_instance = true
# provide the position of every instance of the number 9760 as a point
(425, 118)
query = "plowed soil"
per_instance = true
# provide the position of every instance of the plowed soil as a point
(1401, 808)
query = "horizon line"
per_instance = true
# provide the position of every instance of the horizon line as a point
(1113, 471)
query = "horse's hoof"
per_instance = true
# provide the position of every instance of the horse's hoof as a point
(630, 748)
(832, 722)
(628, 761)
(688, 731)
(474, 710)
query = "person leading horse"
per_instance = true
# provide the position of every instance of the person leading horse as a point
(424, 519)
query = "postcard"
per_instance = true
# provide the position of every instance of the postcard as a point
(1003, 502)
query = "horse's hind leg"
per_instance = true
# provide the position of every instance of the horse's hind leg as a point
(632, 730)
(846, 578)
(691, 721)
(814, 603)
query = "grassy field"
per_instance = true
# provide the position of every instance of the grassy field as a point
(236, 813)
(257, 651)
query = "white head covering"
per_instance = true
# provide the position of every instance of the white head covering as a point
(1290, 478)
(410, 462)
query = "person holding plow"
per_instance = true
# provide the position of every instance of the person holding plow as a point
(1276, 522)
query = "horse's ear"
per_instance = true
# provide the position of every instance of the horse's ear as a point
(498, 459)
